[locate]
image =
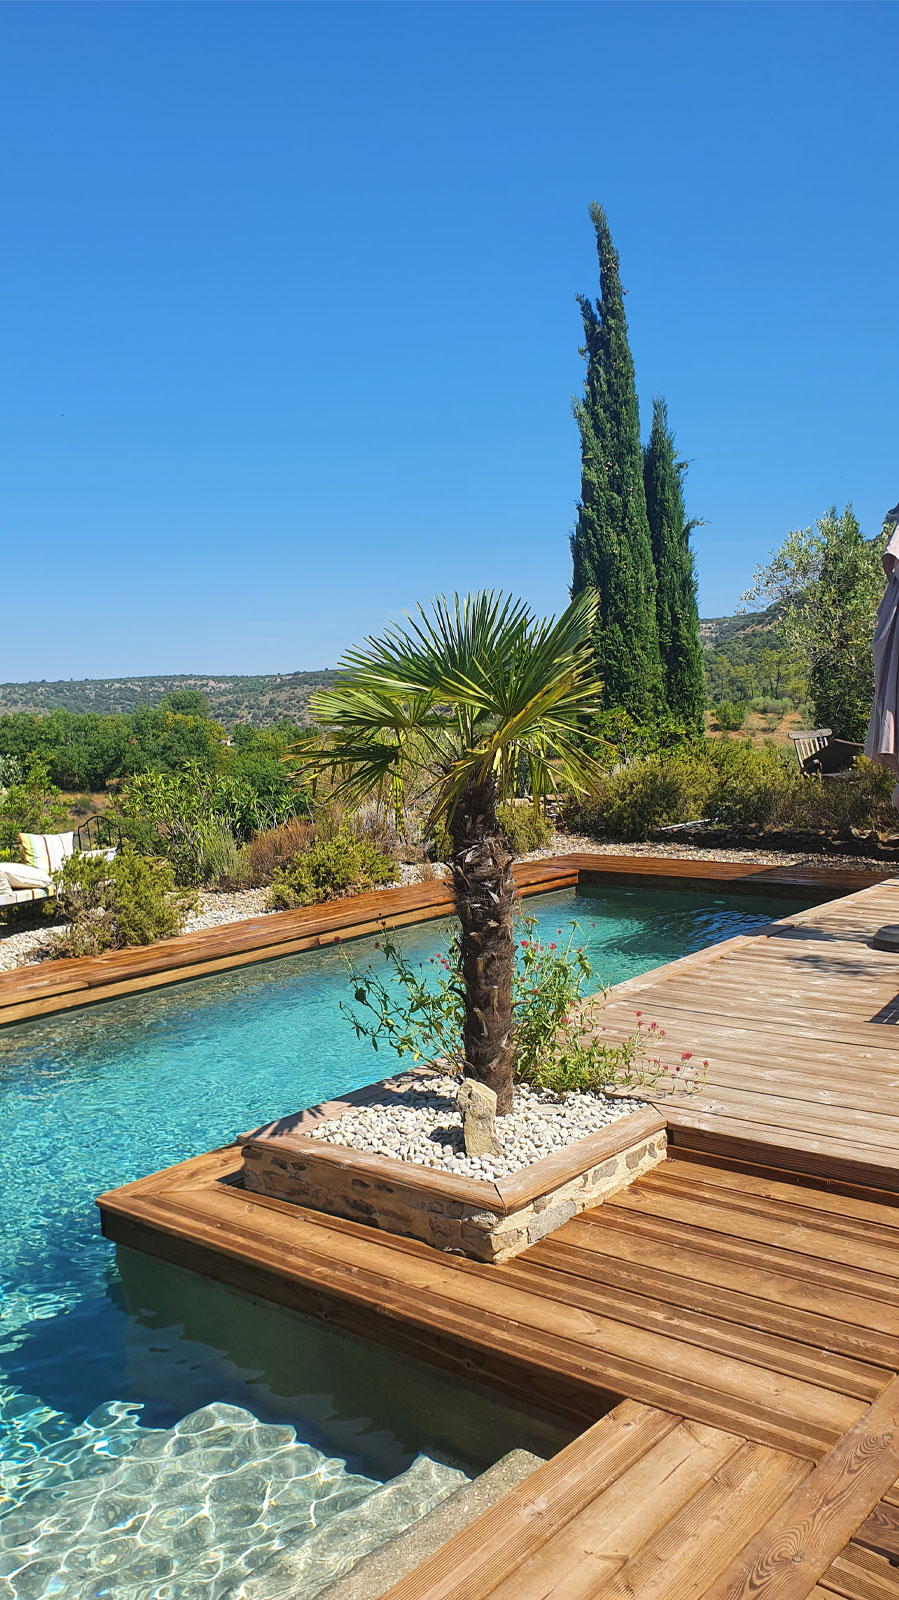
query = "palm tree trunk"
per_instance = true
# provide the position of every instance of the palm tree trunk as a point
(484, 891)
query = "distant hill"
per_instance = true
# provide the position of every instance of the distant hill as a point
(716, 633)
(731, 646)
(257, 700)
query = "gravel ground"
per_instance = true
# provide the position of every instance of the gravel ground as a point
(423, 1125)
(24, 941)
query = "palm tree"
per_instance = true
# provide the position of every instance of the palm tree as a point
(462, 700)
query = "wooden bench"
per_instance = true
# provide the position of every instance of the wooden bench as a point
(820, 755)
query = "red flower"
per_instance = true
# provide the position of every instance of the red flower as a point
(553, 945)
(687, 1055)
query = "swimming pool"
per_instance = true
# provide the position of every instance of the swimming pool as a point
(92, 1099)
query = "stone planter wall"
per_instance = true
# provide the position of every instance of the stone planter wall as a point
(488, 1221)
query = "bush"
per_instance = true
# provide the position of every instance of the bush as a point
(557, 1043)
(737, 787)
(277, 847)
(730, 715)
(184, 816)
(329, 869)
(525, 828)
(30, 804)
(127, 901)
(223, 863)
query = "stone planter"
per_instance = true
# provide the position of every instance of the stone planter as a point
(488, 1221)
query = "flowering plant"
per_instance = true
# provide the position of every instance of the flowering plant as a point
(418, 1012)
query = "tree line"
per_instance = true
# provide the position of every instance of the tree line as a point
(86, 752)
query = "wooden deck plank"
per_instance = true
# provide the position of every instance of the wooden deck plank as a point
(689, 1551)
(794, 1549)
(861, 1219)
(736, 1138)
(880, 1531)
(479, 1558)
(776, 1353)
(787, 1231)
(678, 1278)
(859, 1574)
(598, 1541)
(877, 1297)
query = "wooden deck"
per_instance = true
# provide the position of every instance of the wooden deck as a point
(756, 1339)
(724, 1333)
(800, 1028)
(49, 987)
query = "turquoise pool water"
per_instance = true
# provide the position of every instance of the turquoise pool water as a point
(92, 1099)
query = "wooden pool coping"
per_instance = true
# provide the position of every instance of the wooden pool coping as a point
(44, 988)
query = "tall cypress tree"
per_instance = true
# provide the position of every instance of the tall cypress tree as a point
(611, 547)
(676, 609)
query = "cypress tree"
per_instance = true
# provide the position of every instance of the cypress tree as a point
(676, 609)
(611, 547)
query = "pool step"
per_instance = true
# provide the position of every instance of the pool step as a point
(371, 1577)
(315, 1561)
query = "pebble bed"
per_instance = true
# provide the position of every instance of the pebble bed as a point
(422, 1124)
(21, 944)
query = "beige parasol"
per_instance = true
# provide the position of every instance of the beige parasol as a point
(882, 743)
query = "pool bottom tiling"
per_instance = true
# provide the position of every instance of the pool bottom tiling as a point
(160, 1436)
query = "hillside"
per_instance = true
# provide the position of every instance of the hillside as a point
(736, 669)
(257, 700)
(716, 633)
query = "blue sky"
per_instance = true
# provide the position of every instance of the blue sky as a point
(291, 337)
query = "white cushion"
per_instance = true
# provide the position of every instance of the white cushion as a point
(5, 885)
(19, 897)
(47, 851)
(23, 877)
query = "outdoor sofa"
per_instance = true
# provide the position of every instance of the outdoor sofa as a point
(23, 882)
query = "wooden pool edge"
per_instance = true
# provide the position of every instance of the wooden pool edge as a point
(44, 989)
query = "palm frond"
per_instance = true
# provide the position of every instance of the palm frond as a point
(468, 689)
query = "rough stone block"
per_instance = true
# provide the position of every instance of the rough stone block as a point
(411, 1207)
(549, 1221)
(477, 1104)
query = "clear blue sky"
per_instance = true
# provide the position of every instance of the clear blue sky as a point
(290, 328)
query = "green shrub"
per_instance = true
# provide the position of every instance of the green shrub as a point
(30, 804)
(223, 863)
(525, 828)
(183, 816)
(730, 715)
(331, 868)
(557, 1041)
(737, 786)
(440, 848)
(130, 900)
